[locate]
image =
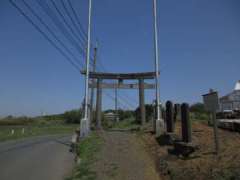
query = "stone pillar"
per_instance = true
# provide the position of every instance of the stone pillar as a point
(176, 112)
(169, 117)
(141, 101)
(99, 104)
(186, 124)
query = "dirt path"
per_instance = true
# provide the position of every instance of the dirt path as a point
(123, 158)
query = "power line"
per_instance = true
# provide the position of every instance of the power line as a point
(121, 101)
(66, 23)
(72, 21)
(44, 35)
(76, 17)
(81, 28)
(128, 99)
(52, 33)
(49, 39)
(102, 66)
(127, 102)
(112, 98)
(46, 8)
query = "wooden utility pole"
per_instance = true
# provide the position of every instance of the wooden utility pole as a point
(99, 104)
(92, 89)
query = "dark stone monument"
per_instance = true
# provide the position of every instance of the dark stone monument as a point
(185, 147)
(176, 114)
(186, 124)
(169, 137)
(169, 117)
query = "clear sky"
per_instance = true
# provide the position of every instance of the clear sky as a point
(199, 49)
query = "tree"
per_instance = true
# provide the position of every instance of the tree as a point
(149, 112)
(73, 116)
(198, 108)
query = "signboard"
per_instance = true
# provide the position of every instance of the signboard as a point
(211, 101)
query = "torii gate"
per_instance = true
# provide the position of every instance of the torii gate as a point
(84, 126)
(120, 85)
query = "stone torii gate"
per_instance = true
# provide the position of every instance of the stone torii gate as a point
(141, 85)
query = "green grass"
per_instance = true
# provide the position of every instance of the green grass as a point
(87, 152)
(125, 124)
(34, 130)
(199, 116)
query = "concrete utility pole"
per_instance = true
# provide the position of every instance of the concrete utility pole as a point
(159, 120)
(92, 89)
(84, 127)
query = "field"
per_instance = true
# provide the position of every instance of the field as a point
(33, 130)
(22, 127)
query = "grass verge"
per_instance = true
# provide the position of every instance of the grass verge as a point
(125, 124)
(34, 130)
(87, 152)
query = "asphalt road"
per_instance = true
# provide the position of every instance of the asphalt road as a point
(40, 158)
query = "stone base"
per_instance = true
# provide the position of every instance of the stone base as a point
(167, 139)
(184, 149)
(236, 126)
(84, 128)
(159, 127)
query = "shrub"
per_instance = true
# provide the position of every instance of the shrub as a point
(73, 116)
(198, 112)
(149, 112)
(12, 121)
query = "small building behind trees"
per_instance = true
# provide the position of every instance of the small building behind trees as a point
(111, 116)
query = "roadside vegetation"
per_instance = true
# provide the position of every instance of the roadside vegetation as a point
(128, 119)
(87, 151)
(19, 132)
(21, 127)
(129, 123)
(198, 113)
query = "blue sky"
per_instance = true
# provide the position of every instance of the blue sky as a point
(199, 49)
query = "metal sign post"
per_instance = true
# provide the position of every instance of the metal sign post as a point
(211, 103)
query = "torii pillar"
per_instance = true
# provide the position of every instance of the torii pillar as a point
(141, 101)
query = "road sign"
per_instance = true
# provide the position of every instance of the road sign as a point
(211, 101)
